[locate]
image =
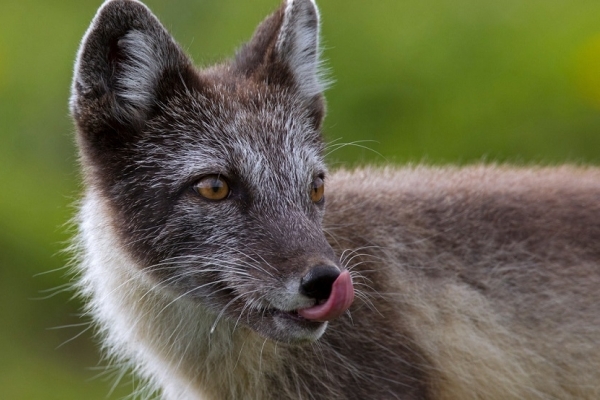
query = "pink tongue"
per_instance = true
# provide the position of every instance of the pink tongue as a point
(340, 299)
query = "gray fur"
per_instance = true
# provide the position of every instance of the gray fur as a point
(472, 283)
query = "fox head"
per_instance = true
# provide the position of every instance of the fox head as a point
(214, 178)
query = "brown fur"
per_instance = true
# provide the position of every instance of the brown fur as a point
(493, 271)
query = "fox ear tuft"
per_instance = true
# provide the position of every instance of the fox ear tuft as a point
(121, 62)
(285, 49)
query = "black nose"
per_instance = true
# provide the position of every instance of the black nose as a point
(318, 282)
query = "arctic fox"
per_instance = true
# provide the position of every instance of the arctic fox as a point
(220, 259)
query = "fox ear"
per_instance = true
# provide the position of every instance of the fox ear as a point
(126, 62)
(285, 49)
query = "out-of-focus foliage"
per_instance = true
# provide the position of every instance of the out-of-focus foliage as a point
(431, 80)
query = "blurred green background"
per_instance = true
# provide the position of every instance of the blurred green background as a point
(440, 81)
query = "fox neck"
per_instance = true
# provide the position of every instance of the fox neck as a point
(171, 340)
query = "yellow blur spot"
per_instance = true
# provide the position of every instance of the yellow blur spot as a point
(588, 70)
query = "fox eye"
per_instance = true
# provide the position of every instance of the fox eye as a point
(317, 190)
(212, 187)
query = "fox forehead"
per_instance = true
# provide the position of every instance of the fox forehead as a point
(259, 135)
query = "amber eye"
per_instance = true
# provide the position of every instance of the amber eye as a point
(212, 187)
(317, 190)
